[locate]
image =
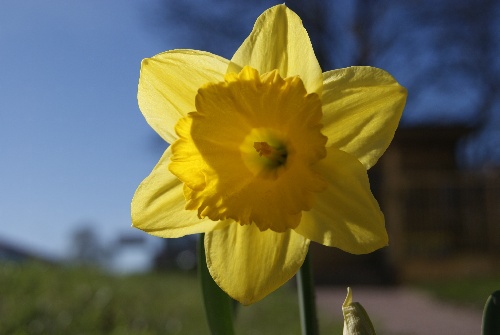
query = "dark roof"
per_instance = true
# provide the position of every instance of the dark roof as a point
(430, 135)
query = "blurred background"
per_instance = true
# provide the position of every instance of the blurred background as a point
(74, 147)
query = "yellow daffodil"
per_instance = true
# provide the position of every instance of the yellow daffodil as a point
(268, 153)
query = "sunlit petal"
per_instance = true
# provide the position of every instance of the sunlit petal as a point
(249, 264)
(279, 41)
(158, 205)
(362, 106)
(345, 215)
(168, 84)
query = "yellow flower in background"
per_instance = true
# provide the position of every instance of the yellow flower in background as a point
(268, 153)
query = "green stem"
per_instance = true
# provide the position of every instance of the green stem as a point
(308, 319)
(491, 315)
(218, 305)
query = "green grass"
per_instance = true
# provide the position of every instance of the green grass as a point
(41, 299)
(464, 291)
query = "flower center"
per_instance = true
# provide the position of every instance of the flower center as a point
(247, 152)
(277, 156)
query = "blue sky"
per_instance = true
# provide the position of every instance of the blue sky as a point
(73, 143)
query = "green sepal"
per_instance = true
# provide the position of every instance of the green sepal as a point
(218, 305)
(491, 315)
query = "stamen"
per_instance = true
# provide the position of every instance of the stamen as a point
(276, 155)
(263, 148)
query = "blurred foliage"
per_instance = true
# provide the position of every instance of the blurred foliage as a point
(44, 299)
(472, 291)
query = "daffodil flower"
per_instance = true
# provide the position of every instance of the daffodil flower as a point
(267, 153)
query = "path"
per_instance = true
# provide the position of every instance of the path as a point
(403, 311)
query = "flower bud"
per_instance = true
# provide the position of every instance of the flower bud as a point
(356, 320)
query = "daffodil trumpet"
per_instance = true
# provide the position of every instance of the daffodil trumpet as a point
(267, 154)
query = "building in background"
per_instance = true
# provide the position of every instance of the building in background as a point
(442, 220)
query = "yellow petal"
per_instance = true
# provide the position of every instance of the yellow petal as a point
(249, 264)
(158, 205)
(279, 41)
(168, 85)
(362, 106)
(345, 215)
